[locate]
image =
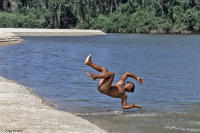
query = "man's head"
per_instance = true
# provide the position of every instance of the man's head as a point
(129, 86)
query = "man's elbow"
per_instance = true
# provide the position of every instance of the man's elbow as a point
(127, 73)
(125, 107)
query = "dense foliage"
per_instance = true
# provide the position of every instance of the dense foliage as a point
(138, 16)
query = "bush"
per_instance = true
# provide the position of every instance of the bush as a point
(101, 22)
(18, 20)
(10, 20)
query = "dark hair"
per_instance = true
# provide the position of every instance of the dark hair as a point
(133, 88)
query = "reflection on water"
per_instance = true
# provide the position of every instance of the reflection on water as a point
(53, 67)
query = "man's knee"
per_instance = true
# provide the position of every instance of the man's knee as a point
(104, 70)
(112, 74)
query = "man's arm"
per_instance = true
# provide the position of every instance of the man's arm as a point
(128, 74)
(125, 106)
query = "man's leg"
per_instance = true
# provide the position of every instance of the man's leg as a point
(105, 81)
(89, 62)
(105, 78)
(106, 75)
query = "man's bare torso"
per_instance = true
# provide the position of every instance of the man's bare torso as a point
(115, 90)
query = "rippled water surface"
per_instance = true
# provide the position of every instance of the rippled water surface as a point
(53, 67)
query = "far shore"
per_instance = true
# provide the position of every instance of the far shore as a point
(52, 32)
(10, 36)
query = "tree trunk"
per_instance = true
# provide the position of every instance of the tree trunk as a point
(25, 3)
(46, 3)
(1, 4)
(111, 8)
(116, 4)
(58, 15)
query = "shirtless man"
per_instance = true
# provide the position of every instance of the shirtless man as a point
(117, 90)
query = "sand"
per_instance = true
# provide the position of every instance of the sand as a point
(9, 38)
(23, 111)
(52, 32)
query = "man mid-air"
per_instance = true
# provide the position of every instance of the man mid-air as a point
(117, 90)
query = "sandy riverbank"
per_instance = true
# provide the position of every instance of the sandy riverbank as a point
(24, 112)
(9, 38)
(52, 32)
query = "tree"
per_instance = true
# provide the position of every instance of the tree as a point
(190, 18)
(109, 15)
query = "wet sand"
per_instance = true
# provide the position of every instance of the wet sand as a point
(23, 111)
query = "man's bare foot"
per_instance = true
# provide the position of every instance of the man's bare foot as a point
(88, 59)
(91, 75)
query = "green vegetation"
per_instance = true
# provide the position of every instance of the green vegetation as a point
(125, 16)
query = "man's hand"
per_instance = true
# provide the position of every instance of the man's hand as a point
(140, 80)
(91, 75)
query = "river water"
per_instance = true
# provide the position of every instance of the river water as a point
(53, 67)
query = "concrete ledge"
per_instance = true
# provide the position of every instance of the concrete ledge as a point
(52, 32)
(24, 112)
